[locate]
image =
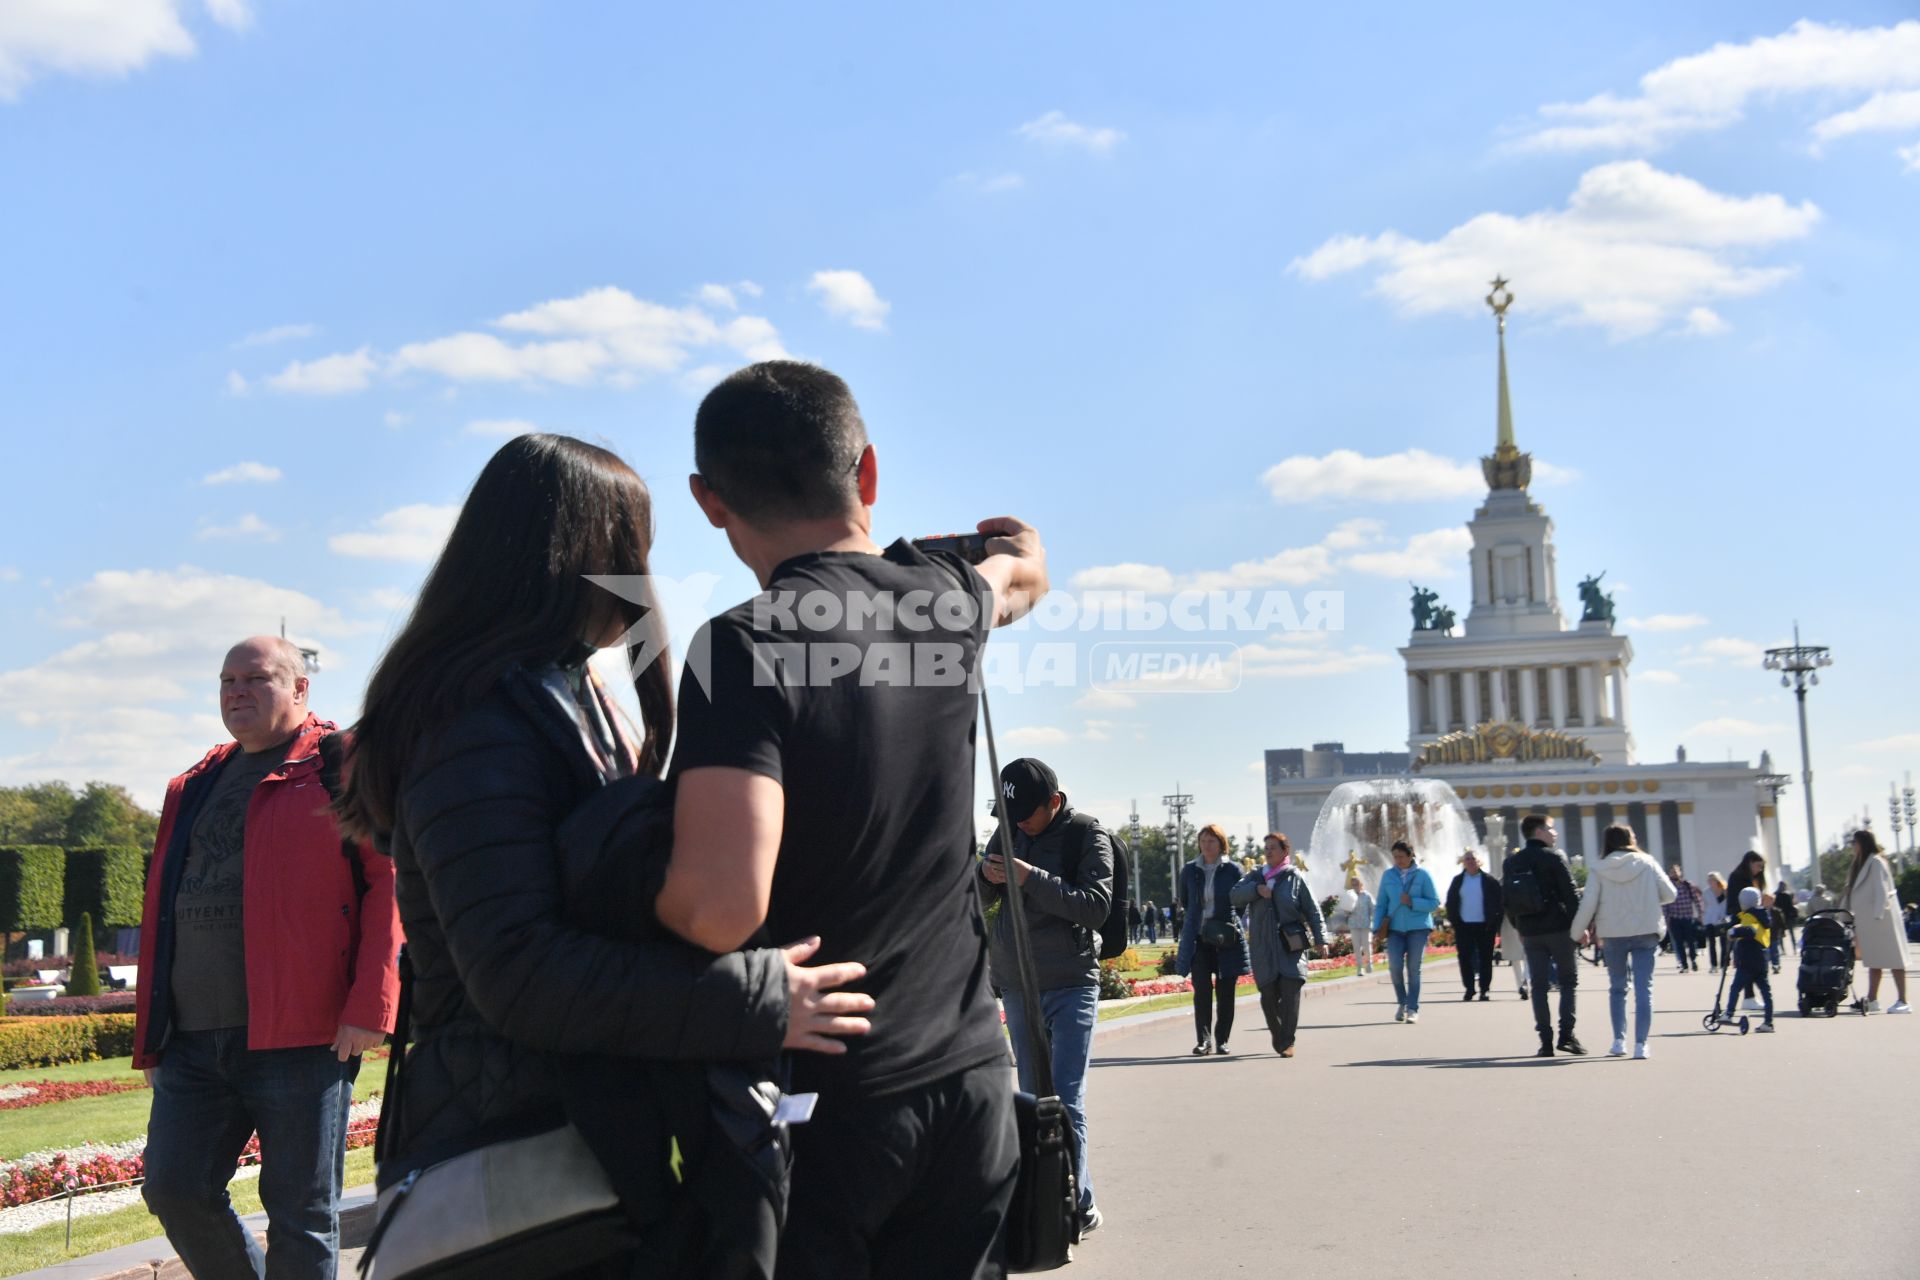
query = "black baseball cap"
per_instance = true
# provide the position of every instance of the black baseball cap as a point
(1025, 785)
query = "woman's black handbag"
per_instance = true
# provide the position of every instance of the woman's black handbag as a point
(1293, 936)
(1043, 1222)
(1220, 933)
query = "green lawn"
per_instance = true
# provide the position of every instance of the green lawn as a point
(31, 1250)
(115, 1118)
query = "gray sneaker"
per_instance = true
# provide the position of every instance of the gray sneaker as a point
(1400, 1014)
(1090, 1220)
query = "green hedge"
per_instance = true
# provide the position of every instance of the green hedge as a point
(32, 886)
(107, 882)
(50, 1042)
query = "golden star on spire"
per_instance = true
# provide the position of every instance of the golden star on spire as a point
(1500, 299)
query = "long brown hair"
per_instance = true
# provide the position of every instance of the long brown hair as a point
(509, 588)
(1865, 845)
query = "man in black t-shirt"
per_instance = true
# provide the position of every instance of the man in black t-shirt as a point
(825, 780)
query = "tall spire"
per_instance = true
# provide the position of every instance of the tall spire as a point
(1506, 467)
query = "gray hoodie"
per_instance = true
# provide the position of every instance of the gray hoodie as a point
(1624, 896)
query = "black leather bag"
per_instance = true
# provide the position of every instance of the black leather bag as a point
(1043, 1222)
(1220, 933)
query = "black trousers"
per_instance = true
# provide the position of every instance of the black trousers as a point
(1280, 1003)
(1210, 987)
(908, 1184)
(1552, 953)
(1473, 944)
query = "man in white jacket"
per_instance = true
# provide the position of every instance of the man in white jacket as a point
(1625, 894)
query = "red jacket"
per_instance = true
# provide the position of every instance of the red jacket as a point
(320, 951)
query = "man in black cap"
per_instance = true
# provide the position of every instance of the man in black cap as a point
(1063, 862)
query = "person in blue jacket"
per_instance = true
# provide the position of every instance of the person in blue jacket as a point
(1404, 911)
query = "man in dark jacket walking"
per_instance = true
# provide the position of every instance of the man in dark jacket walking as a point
(1539, 872)
(1474, 909)
(1064, 864)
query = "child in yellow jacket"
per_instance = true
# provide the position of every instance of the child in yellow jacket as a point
(1751, 934)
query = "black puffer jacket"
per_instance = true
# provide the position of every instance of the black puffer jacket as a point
(1064, 905)
(503, 978)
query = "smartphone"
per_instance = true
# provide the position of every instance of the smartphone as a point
(971, 547)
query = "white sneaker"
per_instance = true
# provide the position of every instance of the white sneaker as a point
(1751, 1003)
(1873, 1006)
(1766, 1027)
(1619, 1049)
(1413, 1016)
(1899, 1006)
(1641, 1053)
(1400, 1014)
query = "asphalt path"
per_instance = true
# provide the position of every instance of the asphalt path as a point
(1445, 1148)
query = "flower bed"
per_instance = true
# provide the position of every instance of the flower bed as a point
(39, 1093)
(67, 1006)
(88, 1167)
(1172, 985)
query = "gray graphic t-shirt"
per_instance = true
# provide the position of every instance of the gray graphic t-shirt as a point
(210, 945)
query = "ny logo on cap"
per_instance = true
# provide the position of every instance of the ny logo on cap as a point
(1008, 788)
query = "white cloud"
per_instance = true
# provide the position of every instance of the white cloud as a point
(1438, 553)
(249, 526)
(1150, 578)
(717, 295)
(394, 418)
(1712, 652)
(86, 38)
(1413, 475)
(243, 473)
(1898, 742)
(1712, 90)
(1705, 322)
(388, 600)
(9, 574)
(236, 385)
(602, 335)
(1912, 156)
(1882, 113)
(234, 15)
(1667, 622)
(278, 333)
(1724, 727)
(1633, 248)
(132, 699)
(328, 376)
(850, 296)
(1303, 654)
(500, 427)
(1653, 675)
(1037, 736)
(1291, 567)
(1054, 129)
(414, 533)
(1105, 700)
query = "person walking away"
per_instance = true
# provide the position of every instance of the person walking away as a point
(1213, 950)
(1150, 921)
(1064, 863)
(1748, 936)
(1284, 927)
(1624, 905)
(1405, 913)
(268, 955)
(1541, 897)
(1683, 920)
(1789, 920)
(1878, 936)
(1473, 909)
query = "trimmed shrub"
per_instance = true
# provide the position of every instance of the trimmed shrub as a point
(32, 885)
(51, 1042)
(1112, 985)
(67, 1006)
(1169, 958)
(107, 882)
(84, 978)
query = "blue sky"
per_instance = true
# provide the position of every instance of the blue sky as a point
(276, 271)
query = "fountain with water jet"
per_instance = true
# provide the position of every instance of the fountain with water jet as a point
(1362, 819)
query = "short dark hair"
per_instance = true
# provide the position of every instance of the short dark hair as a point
(780, 440)
(1617, 837)
(1401, 846)
(1532, 823)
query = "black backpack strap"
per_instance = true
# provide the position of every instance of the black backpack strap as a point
(1085, 824)
(333, 750)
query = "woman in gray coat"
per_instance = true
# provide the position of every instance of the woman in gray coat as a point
(1284, 928)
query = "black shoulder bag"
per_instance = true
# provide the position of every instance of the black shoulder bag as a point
(1043, 1222)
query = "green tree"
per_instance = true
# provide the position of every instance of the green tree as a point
(35, 814)
(104, 814)
(84, 980)
(1155, 877)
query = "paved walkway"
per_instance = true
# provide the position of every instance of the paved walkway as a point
(1445, 1149)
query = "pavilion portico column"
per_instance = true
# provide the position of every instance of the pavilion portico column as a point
(1470, 691)
(1415, 719)
(1590, 834)
(1557, 695)
(1440, 693)
(1500, 709)
(1692, 856)
(1653, 836)
(1529, 697)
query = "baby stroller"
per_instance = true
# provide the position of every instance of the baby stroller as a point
(1826, 962)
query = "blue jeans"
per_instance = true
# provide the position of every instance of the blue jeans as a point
(1069, 1013)
(1406, 954)
(210, 1094)
(1636, 952)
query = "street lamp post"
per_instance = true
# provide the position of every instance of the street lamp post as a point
(1893, 817)
(1177, 804)
(1799, 665)
(1133, 846)
(1906, 796)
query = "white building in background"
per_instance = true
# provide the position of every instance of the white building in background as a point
(1523, 713)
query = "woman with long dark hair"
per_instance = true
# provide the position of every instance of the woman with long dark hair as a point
(1879, 935)
(1213, 947)
(483, 730)
(1625, 895)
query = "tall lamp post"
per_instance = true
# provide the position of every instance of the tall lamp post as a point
(1177, 804)
(1799, 666)
(1133, 846)
(1893, 817)
(1906, 796)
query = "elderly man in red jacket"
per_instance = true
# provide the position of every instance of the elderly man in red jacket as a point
(267, 967)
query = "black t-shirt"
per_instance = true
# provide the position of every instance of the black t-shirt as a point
(847, 681)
